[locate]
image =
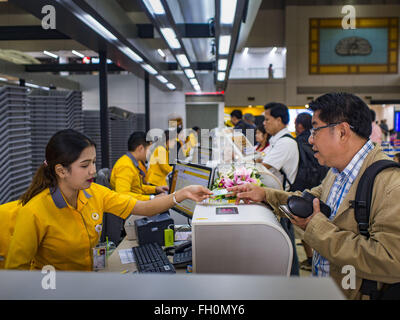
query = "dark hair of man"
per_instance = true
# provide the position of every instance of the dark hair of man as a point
(278, 110)
(344, 107)
(237, 114)
(137, 139)
(305, 119)
(373, 115)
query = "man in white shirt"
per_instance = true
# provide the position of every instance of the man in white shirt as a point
(282, 154)
(282, 158)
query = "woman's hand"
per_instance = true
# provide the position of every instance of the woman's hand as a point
(248, 192)
(194, 192)
(162, 189)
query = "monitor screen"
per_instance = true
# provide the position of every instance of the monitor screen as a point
(185, 175)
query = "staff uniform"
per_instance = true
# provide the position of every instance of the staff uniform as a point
(127, 178)
(49, 231)
(8, 213)
(282, 153)
(158, 167)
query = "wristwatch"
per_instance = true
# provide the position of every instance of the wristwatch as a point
(152, 196)
(174, 199)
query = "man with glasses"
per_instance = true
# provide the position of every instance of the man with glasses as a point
(340, 138)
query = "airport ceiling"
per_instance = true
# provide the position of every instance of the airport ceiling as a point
(133, 36)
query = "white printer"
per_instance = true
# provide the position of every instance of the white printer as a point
(239, 239)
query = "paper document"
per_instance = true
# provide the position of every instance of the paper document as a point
(179, 236)
(126, 256)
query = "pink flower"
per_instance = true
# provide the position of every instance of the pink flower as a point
(228, 183)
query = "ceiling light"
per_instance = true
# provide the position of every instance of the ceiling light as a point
(221, 76)
(284, 51)
(80, 55)
(197, 88)
(171, 86)
(170, 37)
(149, 69)
(273, 50)
(189, 73)
(224, 44)
(3, 79)
(50, 54)
(131, 54)
(246, 50)
(154, 6)
(222, 64)
(194, 82)
(161, 53)
(228, 9)
(31, 85)
(97, 26)
(162, 79)
(183, 61)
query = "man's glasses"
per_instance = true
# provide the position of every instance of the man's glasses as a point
(314, 131)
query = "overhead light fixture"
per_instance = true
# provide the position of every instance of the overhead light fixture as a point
(273, 50)
(170, 37)
(221, 76)
(80, 55)
(183, 60)
(171, 86)
(3, 79)
(149, 69)
(31, 85)
(228, 10)
(161, 53)
(222, 64)
(246, 50)
(154, 6)
(194, 82)
(97, 26)
(161, 79)
(131, 54)
(50, 54)
(224, 44)
(189, 73)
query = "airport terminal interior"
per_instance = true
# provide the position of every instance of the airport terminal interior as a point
(175, 93)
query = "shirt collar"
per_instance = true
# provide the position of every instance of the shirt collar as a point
(355, 163)
(278, 135)
(59, 200)
(135, 163)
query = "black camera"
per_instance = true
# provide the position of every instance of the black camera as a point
(303, 206)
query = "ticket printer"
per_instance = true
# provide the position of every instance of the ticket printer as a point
(151, 229)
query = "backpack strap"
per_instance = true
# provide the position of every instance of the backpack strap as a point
(362, 203)
(285, 179)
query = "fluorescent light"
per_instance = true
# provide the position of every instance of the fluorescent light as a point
(149, 69)
(284, 50)
(194, 82)
(161, 53)
(183, 61)
(3, 79)
(222, 64)
(50, 54)
(162, 79)
(171, 86)
(224, 44)
(131, 54)
(221, 76)
(97, 26)
(154, 6)
(170, 37)
(228, 9)
(197, 88)
(246, 50)
(31, 85)
(273, 50)
(80, 55)
(189, 73)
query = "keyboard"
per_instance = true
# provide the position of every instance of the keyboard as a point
(182, 259)
(150, 257)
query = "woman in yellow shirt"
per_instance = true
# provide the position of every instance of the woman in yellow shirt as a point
(159, 162)
(60, 220)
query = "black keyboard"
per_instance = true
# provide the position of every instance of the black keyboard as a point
(151, 258)
(182, 259)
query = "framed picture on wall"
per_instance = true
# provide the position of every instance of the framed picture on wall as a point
(372, 47)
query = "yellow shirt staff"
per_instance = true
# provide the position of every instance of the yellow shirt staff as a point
(60, 220)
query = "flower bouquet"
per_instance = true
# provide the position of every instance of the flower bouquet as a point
(234, 176)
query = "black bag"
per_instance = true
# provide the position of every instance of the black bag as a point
(362, 206)
(309, 173)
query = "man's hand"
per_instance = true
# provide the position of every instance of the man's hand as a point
(162, 189)
(301, 222)
(248, 192)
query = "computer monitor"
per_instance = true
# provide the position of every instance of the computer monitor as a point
(185, 174)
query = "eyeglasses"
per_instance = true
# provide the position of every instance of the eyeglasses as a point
(314, 131)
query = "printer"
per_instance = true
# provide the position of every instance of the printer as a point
(239, 239)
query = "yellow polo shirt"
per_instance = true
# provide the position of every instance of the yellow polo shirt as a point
(126, 178)
(158, 167)
(8, 213)
(48, 231)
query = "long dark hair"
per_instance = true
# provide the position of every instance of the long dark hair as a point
(64, 148)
